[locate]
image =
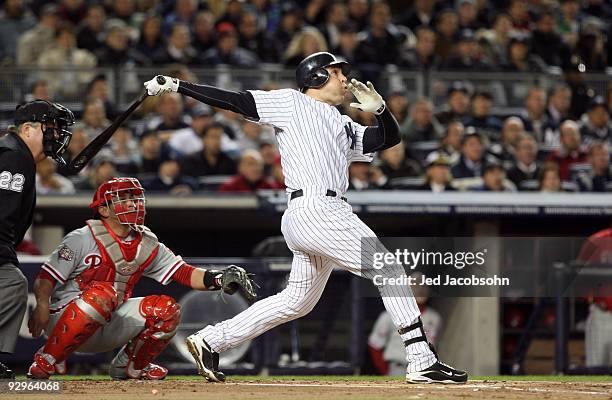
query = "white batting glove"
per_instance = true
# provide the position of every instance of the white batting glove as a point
(368, 98)
(161, 84)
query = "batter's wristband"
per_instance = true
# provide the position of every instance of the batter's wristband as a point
(212, 279)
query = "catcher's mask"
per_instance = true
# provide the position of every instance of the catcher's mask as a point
(54, 119)
(125, 197)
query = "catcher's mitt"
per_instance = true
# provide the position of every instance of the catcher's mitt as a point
(235, 279)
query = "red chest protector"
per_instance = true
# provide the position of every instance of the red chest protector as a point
(122, 263)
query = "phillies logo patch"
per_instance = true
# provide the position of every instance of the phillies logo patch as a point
(65, 253)
(93, 260)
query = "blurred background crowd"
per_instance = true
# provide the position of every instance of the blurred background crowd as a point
(557, 139)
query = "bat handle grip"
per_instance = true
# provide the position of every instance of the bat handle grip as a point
(161, 80)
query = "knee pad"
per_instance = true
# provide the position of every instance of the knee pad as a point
(162, 315)
(98, 301)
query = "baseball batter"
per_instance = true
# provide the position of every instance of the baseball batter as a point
(83, 292)
(316, 145)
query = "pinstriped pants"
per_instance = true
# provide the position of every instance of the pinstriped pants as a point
(323, 233)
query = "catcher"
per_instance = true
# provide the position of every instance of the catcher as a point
(83, 292)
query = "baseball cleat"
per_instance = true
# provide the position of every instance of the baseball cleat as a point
(6, 373)
(151, 372)
(41, 368)
(437, 373)
(206, 359)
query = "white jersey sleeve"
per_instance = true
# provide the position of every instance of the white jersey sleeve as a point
(275, 107)
(357, 154)
(165, 264)
(67, 256)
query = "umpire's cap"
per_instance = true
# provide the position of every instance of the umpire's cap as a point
(311, 72)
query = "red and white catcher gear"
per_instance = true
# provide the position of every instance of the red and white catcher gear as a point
(134, 361)
(79, 321)
(125, 197)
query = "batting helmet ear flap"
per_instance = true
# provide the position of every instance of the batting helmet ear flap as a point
(318, 78)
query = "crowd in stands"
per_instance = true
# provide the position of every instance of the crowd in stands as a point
(558, 141)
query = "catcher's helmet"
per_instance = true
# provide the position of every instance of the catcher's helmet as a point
(115, 194)
(311, 72)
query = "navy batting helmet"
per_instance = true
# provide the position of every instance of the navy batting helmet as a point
(311, 72)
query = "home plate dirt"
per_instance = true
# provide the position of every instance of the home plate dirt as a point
(269, 389)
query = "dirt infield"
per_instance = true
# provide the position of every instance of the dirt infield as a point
(268, 389)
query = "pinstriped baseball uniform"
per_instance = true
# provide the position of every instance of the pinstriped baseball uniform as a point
(317, 144)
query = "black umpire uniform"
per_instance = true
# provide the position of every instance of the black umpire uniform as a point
(17, 201)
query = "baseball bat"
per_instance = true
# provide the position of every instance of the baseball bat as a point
(99, 141)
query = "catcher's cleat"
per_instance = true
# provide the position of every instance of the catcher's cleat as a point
(151, 372)
(206, 359)
(41, 368)
(437, 373)
(6, 373)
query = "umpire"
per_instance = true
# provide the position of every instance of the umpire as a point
(39, 131)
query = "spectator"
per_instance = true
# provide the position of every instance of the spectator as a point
(547, 43)
(493, 179)
(269, 153)
(481, 117)
(496, 39)
(599, 177)
(363, 176)
(48, 181)
(534, 115)
(348, 43)
(421, 15)
(34, 41)
(94, 118)
(438, 175)
(204, 35)
(395, 164)
(382, 42)
(568, 21)
(335, 17)
(211, 160)
(397, 102)
(590, 48)
(65, 54)
(117, 50)
(466, 54)
(423, 55)
(467, 11)
(450, 145)
(358, 11)
(472, 160)
(422, 124)
(250, 175)
(581, 92)
(526, 167)
(170, 107)
(98, 89)
(124, 149)
(549, 180)
(570, 152)
(89, 33)
(125, 12)
(14, 20)
(595, 124)
(290, 23)
(253, 135)
(178, 49)
(189, 140)
(150, 40)
(233, 13)
(558, 105)
(517, 9)
(102, 169)
(457, 103)
(256, 40)
(227, 50)
(314, 12)
(519, 58)
(40, 91)
(446, 30)
(184, 14)
(512, 132)
(170, 179)
(150, 152)
(308, 41)
(73, 11)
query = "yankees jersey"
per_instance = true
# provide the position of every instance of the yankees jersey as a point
(79, 251)
(316, 142)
